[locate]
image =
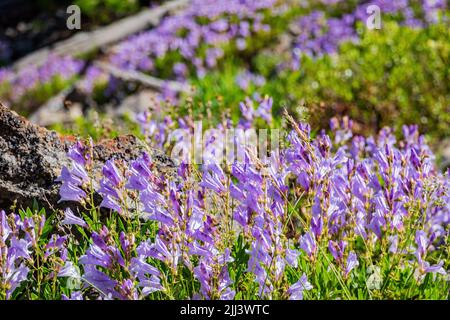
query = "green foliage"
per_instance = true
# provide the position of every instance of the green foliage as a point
(40, 94)
(393, 76)
(379, 275)
(218, 92)
(44, 283)
(99, 126)
(104, 10)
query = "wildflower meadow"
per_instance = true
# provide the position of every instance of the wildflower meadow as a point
(281, 150)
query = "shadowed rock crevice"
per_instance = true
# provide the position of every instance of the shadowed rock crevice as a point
(31, 158)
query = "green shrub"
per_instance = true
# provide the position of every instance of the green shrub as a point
(104, 10)
(393, 76)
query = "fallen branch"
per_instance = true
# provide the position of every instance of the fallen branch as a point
(145, 80)
(83, 42)
(53, 111)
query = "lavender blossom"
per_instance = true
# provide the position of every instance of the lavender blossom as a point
(296, 290)
(70, 218)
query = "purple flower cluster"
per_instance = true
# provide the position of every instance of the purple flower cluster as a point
(185, 229)
(105, 264)
(368, 188)
(202, 23)
(414, 13)
(245, 79)
(352, 189)
(156, 131)
(250, 113)
(20, 240)
(318, 33)
(73, 179)
(93, 77)
(55, 68)
(212, 273)
(14, 252)
(261, 198)
(5, 75)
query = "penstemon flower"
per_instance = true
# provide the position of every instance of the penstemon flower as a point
(74, 180)
(338, 202)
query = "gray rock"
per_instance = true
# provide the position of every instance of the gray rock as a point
(31, 158)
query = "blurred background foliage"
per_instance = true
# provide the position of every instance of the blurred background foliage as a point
(393, 76)
(389, 77)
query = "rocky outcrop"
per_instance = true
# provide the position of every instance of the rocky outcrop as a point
(31, 158)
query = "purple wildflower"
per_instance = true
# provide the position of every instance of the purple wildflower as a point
(296, 290)
(70, 218)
